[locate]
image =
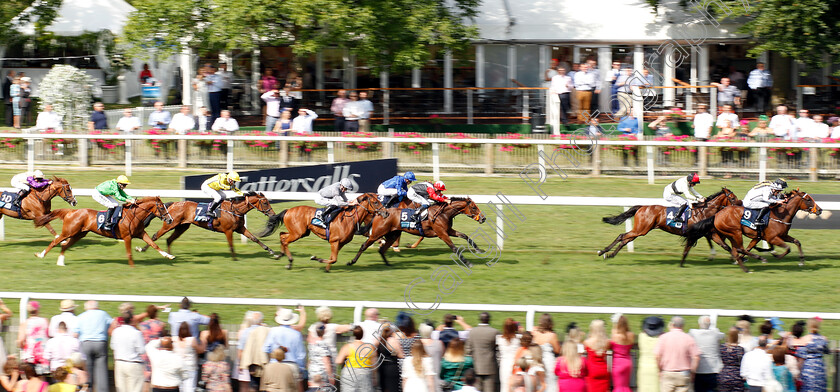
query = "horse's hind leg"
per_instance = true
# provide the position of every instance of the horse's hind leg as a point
(179, 230)
(389, 239)
(788, 238)
(459, 234)
(67, 244)
(712, 251)
(155, 236)
(285, 240)
(252, 237)
(229, 237)
(368, 242)
(52, 231)
(52, 244)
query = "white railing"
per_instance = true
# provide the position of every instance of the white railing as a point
(810, 164)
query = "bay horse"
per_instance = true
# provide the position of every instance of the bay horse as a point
(404, 203)
(438, 224)
(647, 218)
(342, 228)
(231, 220)
(39, 201)
(726, 225)
(78, 223)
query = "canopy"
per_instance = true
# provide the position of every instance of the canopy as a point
(76, 17)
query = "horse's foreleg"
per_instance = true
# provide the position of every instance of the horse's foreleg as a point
(712, 251)
(155, 236)
(252, 237)
(389, 239)
(459, 234)
(778, 241)
(368, 242)
(285, 240)
(67, 244)
(179, 230)
(52, 231)
(127, 240)
(788, 238)
(52, 244)
(445, 238)
(416, 243)
(229, 237)
(335, 246)
(151, 243)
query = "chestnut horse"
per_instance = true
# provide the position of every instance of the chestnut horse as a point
(39, 201)
(342, 229)
(78, 223)
(438, 224)
(231, 220)
(726, 225)
(647, 218)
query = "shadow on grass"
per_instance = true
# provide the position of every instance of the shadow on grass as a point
(788, 263)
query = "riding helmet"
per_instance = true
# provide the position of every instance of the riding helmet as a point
(234, 176)
(345, 182)
(781, 183)
(38, 174)
(410, 176)
(439, 185)
(693, 178)
(122, 179)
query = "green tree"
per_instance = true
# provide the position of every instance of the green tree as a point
(43, 13)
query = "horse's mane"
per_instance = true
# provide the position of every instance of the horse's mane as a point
(716, 194)
(241, 198)
(59, 179)
(460, 198)
(147, 199)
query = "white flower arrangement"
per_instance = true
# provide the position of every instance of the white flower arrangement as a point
(69, 90)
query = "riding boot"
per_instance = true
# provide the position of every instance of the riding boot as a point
(327, 215)
(115, 217)
(761, 214)
(107, 225)
(387, 200)
(679, 217)
(211, 209)
(418, 212)
(21, 195)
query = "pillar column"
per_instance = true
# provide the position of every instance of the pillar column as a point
(447, 81)
(415, 77)
(703, 67)
(667, 76)
(186, 77)
(479, 66)
(604, 66)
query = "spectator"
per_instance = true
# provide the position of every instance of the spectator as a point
(214, 91)
(128, 123)
(481, 345)
(622, 100)
(760, 83)
(407, 329)
(725, 115)
(34, 382)
(593, 69)
(286, 336)
(252, 359)
(324, 316)
(320, 367)
(352, 112)
(366, 108)
(811, 352)
(612, 77)
(167, 366)
(25, 101)
(551, 72)
(782, 123)
(92, 329)
(834, 123)
(225, 78)
(745, 338)
(571, 370)
(32, 338)
(575, 68)
(287, 102)
(648, 375)
(215, 373)
(780, 369)
(586, 82)
(660, 126)
(356, 372)
(469, 381)
(182, 122)
(594, 130)
(433, 347)
(214, 336)
(48, 120)
(447, 331)
(337, 109)
(418, 373)
(546, 339)
(10, 378)
(303, 122)
(453, 365)
(98, 120)
(203, 120)
(14, 93)
(677, 356)
(160, 118)
(272, 108)
(370, 325)
(268, 82)
(731, 354)
(78, 376)
(193, 319)
(727, 93)
(188, 347)
(819, 129)
(152, 329)
(7, 97)
(389, 351)
(60, 376)
(60, 347)
(756, 367)
(129, 346)
(761, 130)
(727, 130)
(5, 315)
(596, 346)
(67, 315)
(708, 340)
(226, 123)
(201, 98)
(766, 330)
(621, 341)
(280, 375)
(559, 98)
(737, 79)
(508, 344)
(802, 125)
(294, 83)
(145, 74)
(284, 124)
(703, 122)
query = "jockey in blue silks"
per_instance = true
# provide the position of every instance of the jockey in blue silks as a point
(395, 189)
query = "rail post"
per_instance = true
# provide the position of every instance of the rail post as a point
(386, 105)
(703, 160)
(526, 108)
(469, 106)
(488, 158)
(330, 152)
(242, 237)
(357, 314)
(713, 101)
(388, 148)
(650, 151)
(229, 155)
(500, 227)
(83, 153)
(596, 162)
(628, 225)
(182, 153)
(813, 155)
(30, 154)
(128, 157)
(529, 317)
(284, 153)
(436, 161)
(762, 163)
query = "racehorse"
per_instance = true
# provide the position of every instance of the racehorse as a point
(342, 229)
(404, 203)
(647, 218)
(726, 225)
(78, 223)
(39, 201)
(231, 219)
(438, 224)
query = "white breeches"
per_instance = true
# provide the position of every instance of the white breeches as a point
(383, 191)
(676, 200)
(107, 201)
(20, 185)
(756, 204)
(413, 196)
(216, 195)
(330, 202)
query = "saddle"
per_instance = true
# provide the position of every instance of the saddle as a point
(671, 214)
(7, 201)
(201, 212)
(407, 220)
(115, 219)
(749, 217)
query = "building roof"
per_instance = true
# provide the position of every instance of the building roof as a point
(76, 17)
(595, 21)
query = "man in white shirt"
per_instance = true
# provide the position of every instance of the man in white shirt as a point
(559, 92)
(167, 366)
(371, 325)
(760, 83)
(61, 346)
(623, 99)
(703, 122)
(782, 123)
(707, 338)
(727, 114)
(225, 123)
(203, 119)
(819, 130)
(128, 123)
(352, 113)
(367, 111)
(67, 316)
(129, 346)
(272, 108)
(182, 122)
(48, 120)
(303, 122)
(586, 83)
(756, 366)
(160, 118)
(802, 126)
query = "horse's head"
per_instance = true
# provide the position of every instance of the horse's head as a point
(728, 198)
(805, 203)
(467, 206)
(159, 208)
(370, 202)
(259, 202)
(63, 189)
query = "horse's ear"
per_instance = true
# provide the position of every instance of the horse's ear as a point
(797, 189)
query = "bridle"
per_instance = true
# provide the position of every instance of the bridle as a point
(249, 205)
(159, 206)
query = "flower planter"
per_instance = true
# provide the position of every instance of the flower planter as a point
(109, 94)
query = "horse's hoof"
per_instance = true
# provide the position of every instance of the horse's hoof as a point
(139, 249)
(351, 262)
(41, 254)
(397, 249)
(801, 263)
(289, 266)
(763, 261)
(276, 256)
(600, 252)
(60, 261)
(313, 257)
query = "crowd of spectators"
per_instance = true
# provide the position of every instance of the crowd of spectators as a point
(71, 352)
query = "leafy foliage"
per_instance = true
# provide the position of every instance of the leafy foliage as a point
(69, 90)
(43, 12)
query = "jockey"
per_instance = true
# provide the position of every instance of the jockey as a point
(23, 182)
(424, 193)
(763, 195)
(681, 193)
(395, 188)
(333, 197)
(111, 194)
(214, 187)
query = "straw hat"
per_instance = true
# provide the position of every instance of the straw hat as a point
(286, 317)
(67, 305)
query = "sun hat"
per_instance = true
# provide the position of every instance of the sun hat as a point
(286, 317)
(653, 326)
(33, 306)
(67, 305)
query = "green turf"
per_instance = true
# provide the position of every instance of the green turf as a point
(549, 259)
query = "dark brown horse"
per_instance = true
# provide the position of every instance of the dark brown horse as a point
(78, 223)
(39, 201)
(438, 224)
(231, 220)
(647, 218)
(404, 203)
(342, 229)
(726, 225)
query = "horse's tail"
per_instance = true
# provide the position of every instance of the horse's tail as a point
(55, 214)
(615, 220)
(271, 225)
(698, 230)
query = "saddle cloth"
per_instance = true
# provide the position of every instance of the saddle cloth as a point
(318, 219)
(407, 218)
(100, 217)
(671, 214)
(201, 212)
(749, 218)
(7, 201)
